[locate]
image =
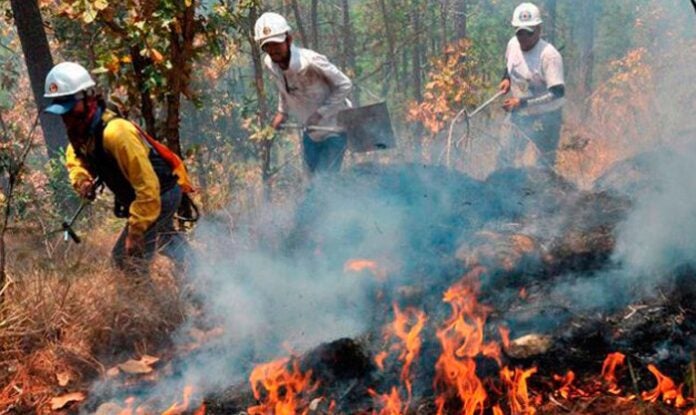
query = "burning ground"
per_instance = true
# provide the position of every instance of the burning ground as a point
(414, 289)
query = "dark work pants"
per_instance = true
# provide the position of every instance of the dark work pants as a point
(161, 236)
(326, 155)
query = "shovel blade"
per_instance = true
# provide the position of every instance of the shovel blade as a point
(368, 128)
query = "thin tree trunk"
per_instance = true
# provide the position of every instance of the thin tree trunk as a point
(315, 23)
(390, 67)
(300, 24)
(181, 40)
(37, 56)
(349, 46)
(444, 10)
(417, 47)
(263, 114)
(140, 64)
(590, 13)
(550, 24)
(461, 8)
(147, 107)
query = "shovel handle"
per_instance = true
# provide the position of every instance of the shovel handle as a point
(71, 233)
(314, 128)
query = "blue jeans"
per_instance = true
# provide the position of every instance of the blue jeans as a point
(326, 155)
(544, 130)
(160, 236)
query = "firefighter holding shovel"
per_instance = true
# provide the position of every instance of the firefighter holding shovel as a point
(143, 174)
(310, 88)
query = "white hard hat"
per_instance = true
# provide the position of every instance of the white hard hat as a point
(63, 82)
(526, 16)
(271, 27)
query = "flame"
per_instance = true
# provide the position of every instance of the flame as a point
(497, 410)
(665, 388)
(407, 326)
(200, 410)
(518, 394)
(179, 408)
(379, 359)
(566, 384)
(612, 361)
(128, 410)
(504, 336)
(282, 388)
(411, 342)
(391, 403)
(359, 265)
(461, 339)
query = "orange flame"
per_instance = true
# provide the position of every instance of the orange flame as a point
(282, 388)
(379, 359)
(359, 265)
(665, 388)
(566, 384)
(391, 403)
(128, 410)
(461, 338)
(518, 394)
(179, 408)
(612, 361)
(504, 336)
(410, 339)
(407, 327)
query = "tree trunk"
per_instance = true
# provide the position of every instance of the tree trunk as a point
(349, 47)
(315, 23)
(550, 24)
(460, 18)
(37, 56)
(265, 146)
(300, 24)
(444, 10)
(589, 14)
(416, 75)
(390, 66)
(417, 47)
(147, 107)
(140, 64)
(181, 55)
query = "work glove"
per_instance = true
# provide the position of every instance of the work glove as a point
(135, 244)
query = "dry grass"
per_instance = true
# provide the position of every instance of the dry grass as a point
(76, 317)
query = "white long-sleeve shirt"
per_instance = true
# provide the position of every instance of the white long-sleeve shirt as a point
(310, 84)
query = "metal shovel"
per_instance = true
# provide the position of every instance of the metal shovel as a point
(367, 128)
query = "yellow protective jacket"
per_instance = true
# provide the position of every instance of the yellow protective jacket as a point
(120, 156)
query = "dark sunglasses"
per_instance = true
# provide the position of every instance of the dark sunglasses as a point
(524, 33)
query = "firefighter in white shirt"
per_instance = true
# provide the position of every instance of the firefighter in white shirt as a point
(534, 75)
(310, 88)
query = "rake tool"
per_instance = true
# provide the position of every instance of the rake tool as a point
(467, 118)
